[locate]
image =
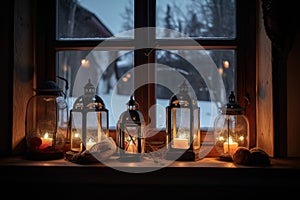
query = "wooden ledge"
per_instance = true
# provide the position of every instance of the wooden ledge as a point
(207, 162)
(202, 171)
(206, 176)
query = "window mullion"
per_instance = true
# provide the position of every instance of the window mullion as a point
(145, 95)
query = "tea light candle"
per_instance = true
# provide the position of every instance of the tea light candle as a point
(76, 144)
(180, 143)
(131, 148)
(230, 148)
(46, 141)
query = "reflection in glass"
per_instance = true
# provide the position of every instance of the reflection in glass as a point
(173, 67)
(197, 19)
(93, 19)
(112, 70)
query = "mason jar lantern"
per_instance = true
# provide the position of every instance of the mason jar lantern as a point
(88, 120)
(46, 123)
(130, 137)
(231, 129)
(183, 126)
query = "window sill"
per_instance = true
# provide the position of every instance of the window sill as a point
(207, 172)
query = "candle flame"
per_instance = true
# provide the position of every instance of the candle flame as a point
(230, 140)
(221, 138)
(46, 135)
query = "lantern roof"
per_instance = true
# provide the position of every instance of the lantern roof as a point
(49, 88)
(183, 98)
(89, 88)
(89, 100)
(132, 104)
(132, 114)
(232, 108)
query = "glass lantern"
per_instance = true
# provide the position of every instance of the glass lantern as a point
(88, 120)
(183, 127)
(231, 129)
(46, 123)
(130, 133)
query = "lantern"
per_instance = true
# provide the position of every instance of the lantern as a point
(231, 129)
(130, 133)
(46, 123)
(88, 120)
(183, 127)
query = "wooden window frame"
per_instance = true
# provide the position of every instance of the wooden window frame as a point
(245, 45)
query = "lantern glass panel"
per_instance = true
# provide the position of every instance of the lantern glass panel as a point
(104, 126)
(46, 127)
(231, 132)
(76, 131)
(88, 129)
(130, 133)
(95, 132)
(93, 127)
(133, 142)
(89, 120)
(196, 129)
(231, 129)
(181, 128)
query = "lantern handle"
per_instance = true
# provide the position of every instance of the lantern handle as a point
(66, 86)
(246, 100)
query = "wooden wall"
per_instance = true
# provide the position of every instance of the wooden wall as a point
(264, 131)
(24, 67)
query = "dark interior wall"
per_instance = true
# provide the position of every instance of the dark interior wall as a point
(293, 98)
(6, 55)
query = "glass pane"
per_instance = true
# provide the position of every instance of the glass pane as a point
(197, 18)
(109, 71)
(91, 19)
(211, 75)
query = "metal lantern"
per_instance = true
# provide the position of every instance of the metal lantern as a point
(231, 129)
(130, 133)
(183, 126)
(88, 120)
(46, 123)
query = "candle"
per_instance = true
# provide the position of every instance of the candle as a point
(230, 148)
(131, 148)
(46, 141)
(180, 143)
(76, 144)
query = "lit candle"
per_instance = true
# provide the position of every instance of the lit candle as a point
(46, 141)
(131, 148)
(76, 144)
(180, 143)
(231, 147)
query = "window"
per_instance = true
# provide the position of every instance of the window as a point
(147, 48)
